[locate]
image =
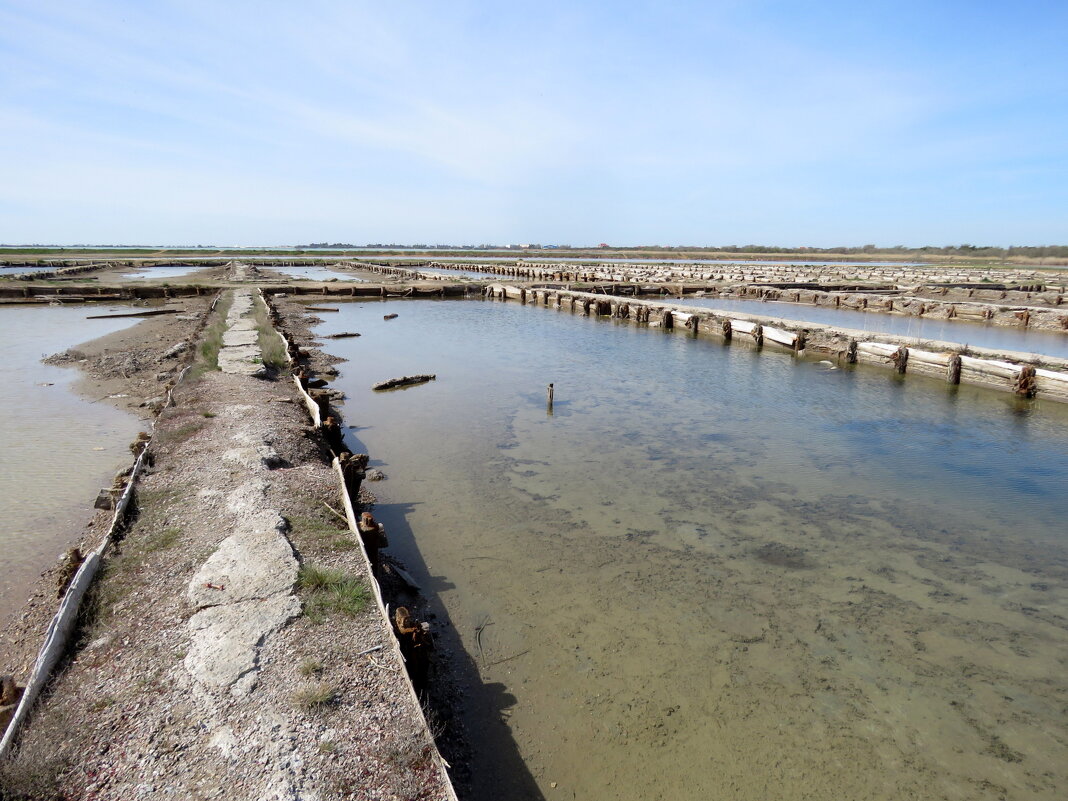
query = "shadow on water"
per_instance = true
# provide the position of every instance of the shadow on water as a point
(469, 717)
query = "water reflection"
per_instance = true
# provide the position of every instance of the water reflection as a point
(715, 572)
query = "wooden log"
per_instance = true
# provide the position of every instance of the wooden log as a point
(780, 336)
(990, 372)
(876, 353)
(403, 381)
(1025, 384)
(152, 313)
(1052, 385)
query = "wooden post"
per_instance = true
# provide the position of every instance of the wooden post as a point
(953, 371)
(1026, 384)
(900, 358)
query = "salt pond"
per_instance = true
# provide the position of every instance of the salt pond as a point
(713, 572)
(460, 273)
(22, 270)
(1050, 343)
(163, 271)
(56, 448)
(313, 273)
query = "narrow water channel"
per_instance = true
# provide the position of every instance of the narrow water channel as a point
(716, 573)
(460, 273)
(965, 332)
(21, 270)
(158, 271)
(312, 272)
(56, 448)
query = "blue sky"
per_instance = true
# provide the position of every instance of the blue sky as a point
(785, 123)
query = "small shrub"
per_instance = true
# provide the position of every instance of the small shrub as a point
(310, 667)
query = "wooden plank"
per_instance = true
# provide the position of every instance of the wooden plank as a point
(152, 313)
(780, 336)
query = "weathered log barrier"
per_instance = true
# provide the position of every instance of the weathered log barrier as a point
(371, 535)
(1027, 375)
(1013, 308)
(668, 271)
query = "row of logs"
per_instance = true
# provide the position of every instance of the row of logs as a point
(413, 636)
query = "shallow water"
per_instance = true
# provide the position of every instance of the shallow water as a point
(313, 273)
(20, 270)
(462, 273)
(163, 271)
(967, 332)
(56, 449)
(719, 573)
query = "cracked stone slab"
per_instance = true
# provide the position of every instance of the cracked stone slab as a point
(237, 337)
(253, 457)
(250, 563)
(242, 360)
(226, 640)
(240, 352)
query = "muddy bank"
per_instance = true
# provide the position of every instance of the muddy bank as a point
(130, 369)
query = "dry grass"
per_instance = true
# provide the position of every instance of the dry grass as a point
(331, 592)
(315, 697)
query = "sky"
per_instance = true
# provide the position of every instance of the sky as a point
(660, 123)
